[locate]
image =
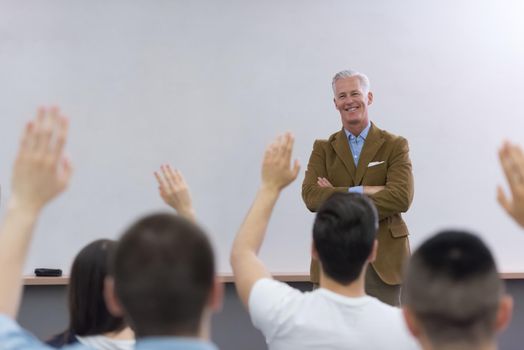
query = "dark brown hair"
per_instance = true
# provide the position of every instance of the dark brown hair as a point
(164, 273)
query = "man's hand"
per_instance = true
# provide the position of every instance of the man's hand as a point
(41, 171)
(174, 191)
(369, 190)
(323, 182)
(512, 161)
(277, 172)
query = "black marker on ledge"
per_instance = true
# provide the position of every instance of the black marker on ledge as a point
(40, 272)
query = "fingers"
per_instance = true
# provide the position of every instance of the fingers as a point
(503, 200)
(512, 160)
(170, 181)
(66, 171)
(323, 182)
(161, 181)
(175, 177)
(26, 143)
(33, 141)
(281, 149)
(60, 136)
(45, 137)
(296, 168)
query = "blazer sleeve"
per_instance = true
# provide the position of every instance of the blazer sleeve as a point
(398, 192)
(312, 194)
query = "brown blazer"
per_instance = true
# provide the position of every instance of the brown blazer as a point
(332, 159)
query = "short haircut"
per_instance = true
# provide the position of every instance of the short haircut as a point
(364, 80)
(88, 314)
(453, 288)
(344, 233)
(164, 273)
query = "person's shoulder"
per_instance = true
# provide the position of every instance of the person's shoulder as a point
(60, 340)
(270, 285)
(389, 137)
(12, 336)
(267, 292)
(329, 140)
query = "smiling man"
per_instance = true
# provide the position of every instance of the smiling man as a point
(365, 159)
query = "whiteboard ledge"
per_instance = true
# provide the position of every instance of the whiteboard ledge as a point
(225, 278)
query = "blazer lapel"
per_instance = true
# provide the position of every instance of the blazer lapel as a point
(341, 146)
(371, 146)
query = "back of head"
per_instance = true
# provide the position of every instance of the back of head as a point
(344, 233)
(88, 314)
(453, 289)
(164, 273)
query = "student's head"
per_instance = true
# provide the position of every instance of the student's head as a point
(88, 314)
(344, 236)
(164, 277)
(453, 294)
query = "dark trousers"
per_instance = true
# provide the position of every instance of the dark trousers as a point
(375, 287)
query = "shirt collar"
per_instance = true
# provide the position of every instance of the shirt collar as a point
(363, 134)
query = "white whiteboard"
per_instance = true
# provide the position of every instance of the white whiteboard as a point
(204, 85)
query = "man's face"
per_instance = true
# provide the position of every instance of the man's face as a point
(352, 103)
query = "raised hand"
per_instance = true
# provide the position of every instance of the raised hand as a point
(277, 171)
(174, 191)
(41, 171)
(512, 161)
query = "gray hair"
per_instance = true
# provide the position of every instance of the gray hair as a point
(364, 80)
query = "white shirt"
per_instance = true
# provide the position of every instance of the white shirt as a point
(100, 342)
(290, 319)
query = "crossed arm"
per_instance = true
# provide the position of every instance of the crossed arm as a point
(393, 197)
(40, 173)
(277, 173)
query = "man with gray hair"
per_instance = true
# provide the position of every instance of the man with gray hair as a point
(453, 295)
(365, 159)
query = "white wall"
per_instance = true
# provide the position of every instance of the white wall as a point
(204, 85)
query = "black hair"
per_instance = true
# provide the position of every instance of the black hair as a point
(344, 233)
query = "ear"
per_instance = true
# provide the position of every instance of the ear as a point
(216, 297)
(370, 98)
(504, 313)
(112, 303)
(314, 253)
(335, 102)
(411, 322)
(373, 254)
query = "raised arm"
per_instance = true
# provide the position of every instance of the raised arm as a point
(316, 188)
(40, 173)
(174, 191)
(277, 173)
(512, 161)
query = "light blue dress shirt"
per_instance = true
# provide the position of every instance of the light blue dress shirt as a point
(14, 337)
(355, 145)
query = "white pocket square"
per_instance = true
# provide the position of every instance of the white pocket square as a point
(374, 163)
